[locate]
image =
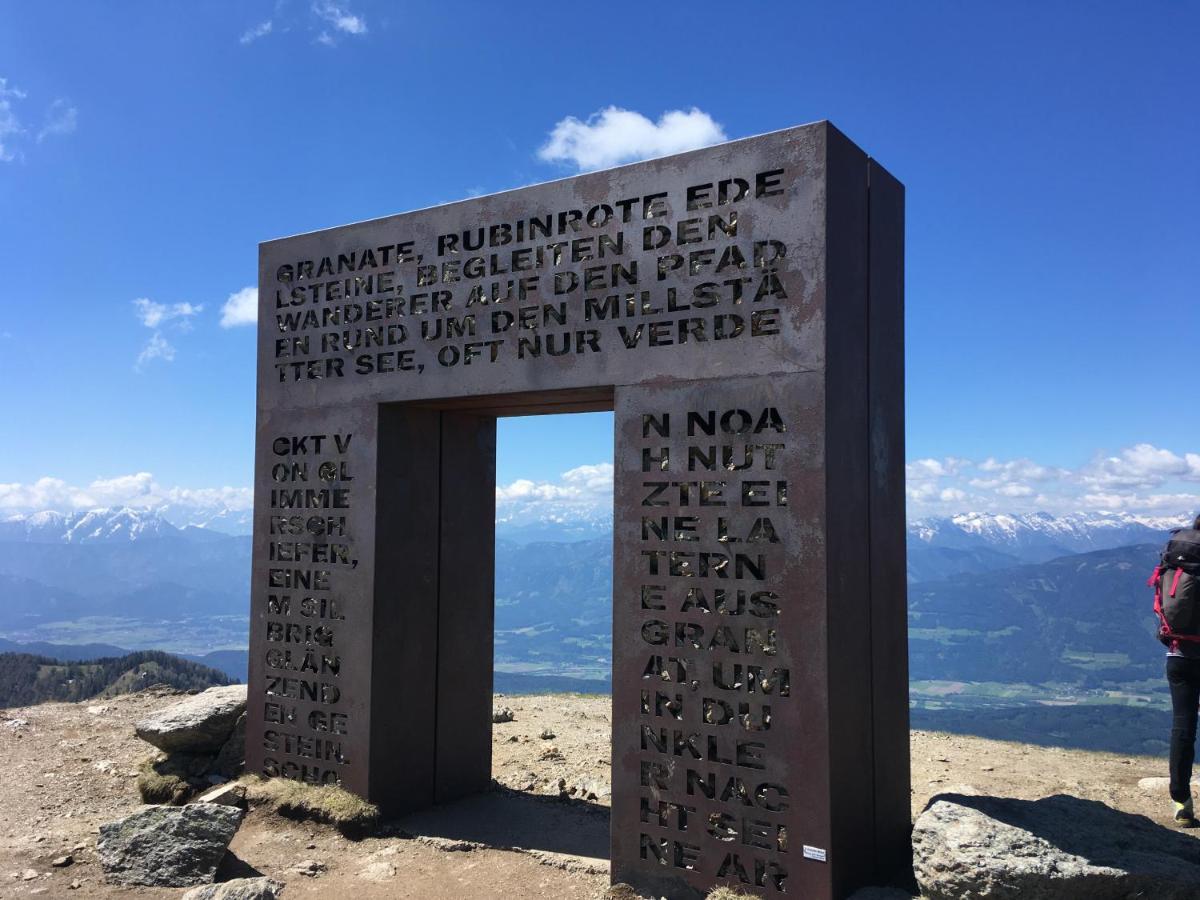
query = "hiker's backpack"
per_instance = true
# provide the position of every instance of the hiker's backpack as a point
(1176, 583)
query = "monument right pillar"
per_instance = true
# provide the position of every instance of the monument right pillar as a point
(760, 666)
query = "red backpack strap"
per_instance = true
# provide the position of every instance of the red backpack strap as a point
(1156, 583)
(1164, 627)
(1175, 581)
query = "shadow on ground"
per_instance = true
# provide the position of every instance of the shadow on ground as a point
(232, 866)
(512, 819)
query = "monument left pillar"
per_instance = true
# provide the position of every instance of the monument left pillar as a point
(371, 632)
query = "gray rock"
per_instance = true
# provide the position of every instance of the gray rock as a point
(231, 760)
(502, 714)
(310, 868)
(380, 870)
(1162, 785)
(168, 846)
(228, 794)
(238, 889)
(1057, 848)
(200, 724)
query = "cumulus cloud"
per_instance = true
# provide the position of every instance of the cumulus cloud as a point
(254, 32)
(138, 490)
(1019, 469)
(241, 308)
(1142, 479)
(61, 118)
(934, 468)
(613, 136)
(1140, 466)
(582, 491)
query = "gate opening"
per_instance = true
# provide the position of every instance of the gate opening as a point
(553, 604)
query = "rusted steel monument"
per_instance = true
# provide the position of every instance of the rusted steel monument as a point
(739, 308)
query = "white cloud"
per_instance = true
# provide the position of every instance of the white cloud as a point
(158, 316)
(583, 483)
(613, 136)
(254, 32)
(339, 17)
(582, 491)
(1137, 503)
(1141, 479)
(1023, 469)
(10, 125)
(61, 118)
(152, 314)
(241, 308)
(1140, 466)
(1012, 489)
(158, 347)
(138, 490)
(935, 468)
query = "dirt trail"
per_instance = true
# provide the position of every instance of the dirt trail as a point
(71, 767)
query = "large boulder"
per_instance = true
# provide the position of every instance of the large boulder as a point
(168, 846)
(1057, 848)
(238, 889)
(199, 724)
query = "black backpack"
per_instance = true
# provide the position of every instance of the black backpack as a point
(1176, 583)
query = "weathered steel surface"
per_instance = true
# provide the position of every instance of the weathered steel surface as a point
(466, 606)
(721, 668)
(741, 309)
(889, 594)
(786, 168)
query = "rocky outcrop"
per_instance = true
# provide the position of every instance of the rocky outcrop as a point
(200, 724)
(203, 739)
(1057, 848)
(238, 889)
(168, 846)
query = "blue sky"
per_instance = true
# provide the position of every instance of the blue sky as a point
(1048, 150)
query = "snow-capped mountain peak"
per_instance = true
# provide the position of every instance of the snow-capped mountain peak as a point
(1040, 535)
(92, 526)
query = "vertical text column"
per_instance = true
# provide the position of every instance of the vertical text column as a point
(308, 711)
(720, 740)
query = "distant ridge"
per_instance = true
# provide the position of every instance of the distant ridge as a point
(233, 665)
(1040, 536)
(26, 679)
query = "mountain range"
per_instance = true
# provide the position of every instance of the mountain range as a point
(1039, 536)
(1035, 599)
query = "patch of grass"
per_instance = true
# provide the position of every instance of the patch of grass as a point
(162, 781)
(724, 893)
(325, 803)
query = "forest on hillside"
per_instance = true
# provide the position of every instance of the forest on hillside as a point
(26, 679)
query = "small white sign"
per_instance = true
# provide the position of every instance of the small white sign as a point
(817, 853)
